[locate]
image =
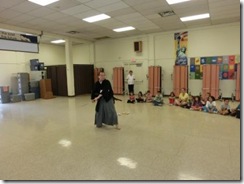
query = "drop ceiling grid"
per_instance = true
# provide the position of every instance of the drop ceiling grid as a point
(142, 14)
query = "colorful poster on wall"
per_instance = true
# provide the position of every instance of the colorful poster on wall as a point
(192, 61)
(203, 60)
(231, 60)
(181, 40)
(192, 68)
(227, 71)
(225, 59)
(197, 61)
(192, 75)
(214, 60)
(220, 60)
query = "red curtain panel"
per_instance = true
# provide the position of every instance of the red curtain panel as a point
(238, 82)
(184, 77)
(210, 83)
(215, 81)
(180, 79)
(154, 81)
(206, 80)
(118, 80)
(150, 78)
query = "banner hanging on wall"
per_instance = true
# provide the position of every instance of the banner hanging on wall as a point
(18, 42)
(181, 40)
(18, 37)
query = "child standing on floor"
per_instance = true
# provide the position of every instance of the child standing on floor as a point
(225, 108)
(158, 99)
(131, 98)
(172, 98)
(210, 105)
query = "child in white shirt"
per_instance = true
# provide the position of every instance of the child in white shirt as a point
(210, 105)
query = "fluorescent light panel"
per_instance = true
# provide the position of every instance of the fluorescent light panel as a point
(96, 18)
(176, 1)
(43, 2)
(58, 41)
(195, 17)
(124, 29)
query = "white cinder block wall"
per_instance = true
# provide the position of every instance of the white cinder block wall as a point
(14, 62)
(158, 49)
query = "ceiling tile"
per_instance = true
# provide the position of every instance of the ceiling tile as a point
(9, 14)
(100, 3)
(113, 7)
(10, 3)
(25, 7)
(76, 10)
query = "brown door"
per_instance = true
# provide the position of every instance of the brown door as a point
(58, 77)
(83, 78)
(62, 81)
(52, 74)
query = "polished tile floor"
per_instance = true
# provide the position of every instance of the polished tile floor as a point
(56, 140)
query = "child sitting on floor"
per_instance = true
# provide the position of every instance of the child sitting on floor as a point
(172, 98)
(158, 99)
(236, 112)
(131, 98)
(225, 108)
(148, 96)
(189, 102)
(197, 104)
(140, 98)
(210, 105)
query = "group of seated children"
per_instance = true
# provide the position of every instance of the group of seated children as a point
(147, 97)
(200, 104)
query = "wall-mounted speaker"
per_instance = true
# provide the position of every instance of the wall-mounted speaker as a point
(138, 46)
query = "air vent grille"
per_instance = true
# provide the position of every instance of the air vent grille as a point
(73, 32)
(167, 13)
(101, 38)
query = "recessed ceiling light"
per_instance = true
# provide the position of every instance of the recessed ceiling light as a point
(58, 41)
(195, 17)
(43, 2)
(96, 18)
(124, 29)
(176, 1)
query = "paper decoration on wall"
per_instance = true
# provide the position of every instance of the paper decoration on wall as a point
(181, 40)
(192, 61)
(228, 66)
(192, 68)
(203, 60)
(231, 60)
(209, 60)
(224, 75)
(214, 60)
(220, 60)
(192, 75)
(197, 61)
(231, 75)
(225, 59)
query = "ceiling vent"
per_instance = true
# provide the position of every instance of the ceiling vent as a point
(73, 32)
(101, 38)
(167, 13)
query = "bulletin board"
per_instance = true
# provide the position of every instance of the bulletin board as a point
(228, 66)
